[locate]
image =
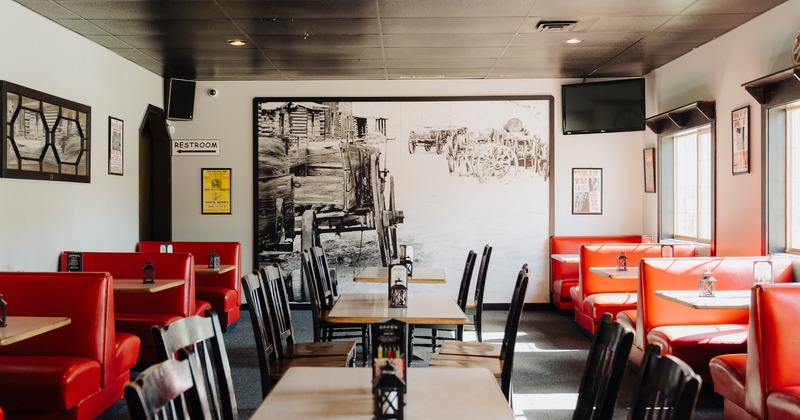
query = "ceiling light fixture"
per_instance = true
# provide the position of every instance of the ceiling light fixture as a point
(236, 42)
(573, 41)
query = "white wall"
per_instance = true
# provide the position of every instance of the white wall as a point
(39, 219)
(716, 71)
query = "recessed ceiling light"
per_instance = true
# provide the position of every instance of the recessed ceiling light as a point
(573, 41)
(236, 42)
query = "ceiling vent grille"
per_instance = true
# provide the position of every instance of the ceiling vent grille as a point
(556, 25)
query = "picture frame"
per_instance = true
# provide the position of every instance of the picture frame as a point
(216, 190)
(649, 157)
(43, 136)
(587, 191)
(116, 137)
(740, 140)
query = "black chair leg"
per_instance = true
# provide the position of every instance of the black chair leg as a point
(478, 329)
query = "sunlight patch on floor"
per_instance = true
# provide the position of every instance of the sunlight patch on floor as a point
(522, 402)
(532, 348)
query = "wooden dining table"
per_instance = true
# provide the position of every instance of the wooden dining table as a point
(138, 286)
(204, 269)
(613, 273)
(419, 275)
(722, 299)
(422, 308)
(312, 393)
(19, 328)
(566, 258)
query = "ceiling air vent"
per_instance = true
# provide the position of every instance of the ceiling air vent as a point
(555, 25)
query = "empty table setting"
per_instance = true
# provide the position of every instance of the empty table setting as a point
(419, 275)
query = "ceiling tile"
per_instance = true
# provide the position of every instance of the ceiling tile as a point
(317, 41)
(565, 8)
(712, 7)
(453, 8)
(303, 26)
(144, 9)
(450, 25)
(447, 40)
(289, 9)
(706, 22)
(442, 52)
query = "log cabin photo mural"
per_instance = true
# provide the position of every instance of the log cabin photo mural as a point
(444, 175)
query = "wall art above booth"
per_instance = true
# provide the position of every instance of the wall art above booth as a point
(44, 136)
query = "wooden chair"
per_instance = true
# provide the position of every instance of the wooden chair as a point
(200, 341)
(667, 388)
(604, 369)
(461, 300)
(167, 390)
(322, 300)
(283, 329)
(476, 307)
(271, 367)
(502, 366)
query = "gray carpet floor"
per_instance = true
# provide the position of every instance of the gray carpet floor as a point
(550, 356)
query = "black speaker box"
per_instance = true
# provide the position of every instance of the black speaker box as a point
(180, 99)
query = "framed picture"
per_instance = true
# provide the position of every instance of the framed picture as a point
(587, 191)
(216, 190)
(650, 170)
(115, 146)
(740, 121)
(43, 136)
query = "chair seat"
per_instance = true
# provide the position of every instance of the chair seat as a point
(784, 403)
(447, 360)
(321, 349)
(48, 382)
(462, 348)
(597, 304)
(561, 287)
(728, 376)
(698, 344)
(279, 367)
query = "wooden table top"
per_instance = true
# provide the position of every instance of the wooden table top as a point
(567, 258)
(346, 393)
(423, 308)
(722, 299)
(137, 286)
(613, 273)
(381, 275)
(19, 328)
(203, 269)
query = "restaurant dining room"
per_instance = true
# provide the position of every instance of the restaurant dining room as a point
(399, 209)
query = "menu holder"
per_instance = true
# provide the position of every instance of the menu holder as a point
(398, 286)
(75, 262)
(389, 345)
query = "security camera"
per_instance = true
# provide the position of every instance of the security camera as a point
(212, 93)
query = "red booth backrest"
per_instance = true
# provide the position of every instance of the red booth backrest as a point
(772, 344)
(128, 265)
(606, 256)
(572, 245)
(86, 298)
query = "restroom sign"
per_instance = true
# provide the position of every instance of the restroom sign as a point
(195, 147)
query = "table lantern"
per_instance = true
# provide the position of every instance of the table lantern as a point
(388, 391)
(398, 286)
(762, 272)
(2, 312)
(708, 284)
(667, 251)
(622, 262)
(406, 257)
(148, 273)
(213, 260)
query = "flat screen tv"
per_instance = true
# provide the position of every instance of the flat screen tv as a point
(603, 107)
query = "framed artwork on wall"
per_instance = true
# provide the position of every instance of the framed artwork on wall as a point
(216, 184)
(43, 136)
(587, 191)
(650, 170)
(115, 146)
(740, 125)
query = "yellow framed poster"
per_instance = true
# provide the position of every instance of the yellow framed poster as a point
(216, 191)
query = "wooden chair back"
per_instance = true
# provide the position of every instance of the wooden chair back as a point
(279, 309)
(201, 339)
(259, 311)
(326, 287)
(314, 294)
(604, 369)
(166, 390)
(667, 388)
(512, 326)
(466, 279)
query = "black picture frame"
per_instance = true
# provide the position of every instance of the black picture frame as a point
(587, 191)
(43, 136)
(740, 140)
(116, 146)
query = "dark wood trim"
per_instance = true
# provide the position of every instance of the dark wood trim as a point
(772, 87)
(690, 115)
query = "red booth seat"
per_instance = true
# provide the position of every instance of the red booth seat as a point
(73, 372)
(695, 335)
(222, 291)
(595, 295)
(564, 275)
(137, 312)
(763, 383)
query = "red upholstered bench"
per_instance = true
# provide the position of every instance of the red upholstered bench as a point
(762, 383)
(137, 312)
(222, 290)
(695, 335)
(564, 275)
(596, 295)
(73, 372)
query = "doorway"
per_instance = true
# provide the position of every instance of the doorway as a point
(155, 177)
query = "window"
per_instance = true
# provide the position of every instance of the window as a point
(692, 181)
(793, 177)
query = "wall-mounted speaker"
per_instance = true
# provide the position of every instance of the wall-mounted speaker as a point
(180, 99)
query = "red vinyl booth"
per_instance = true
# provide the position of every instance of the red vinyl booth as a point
(73, 372)
(223, 291)
(695, 335)
(137, 312)
(564, 275)
(763, 382)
